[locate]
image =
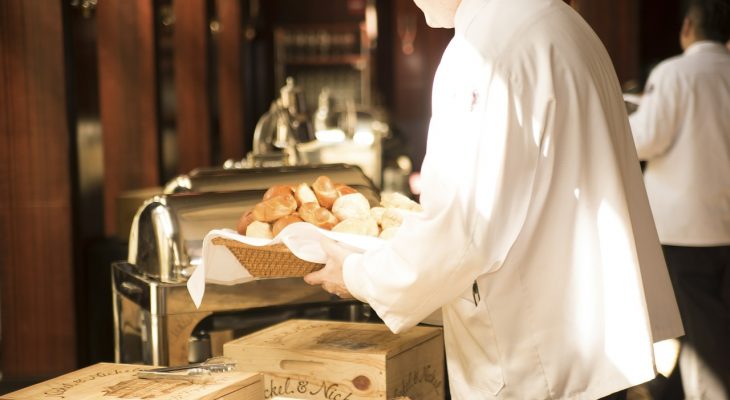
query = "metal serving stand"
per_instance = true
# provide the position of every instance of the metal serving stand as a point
(155, 320)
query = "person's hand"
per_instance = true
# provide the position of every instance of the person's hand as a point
(330, 277)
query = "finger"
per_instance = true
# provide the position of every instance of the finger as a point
(314, 278)
(329, 288)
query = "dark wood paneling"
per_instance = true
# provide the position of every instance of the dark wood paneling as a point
(231, 104)
(417, 50)
(128, 98)
(317, 11)
(36, 260)
(191, 84)
(661, 21)
(617, 24)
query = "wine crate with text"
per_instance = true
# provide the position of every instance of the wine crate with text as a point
(341, 360)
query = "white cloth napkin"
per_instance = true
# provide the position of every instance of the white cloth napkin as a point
(220, 266)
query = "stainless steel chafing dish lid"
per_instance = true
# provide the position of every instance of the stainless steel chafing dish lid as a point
(223, 179)
(166, 238)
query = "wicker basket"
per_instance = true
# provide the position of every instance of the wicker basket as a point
(273, 261)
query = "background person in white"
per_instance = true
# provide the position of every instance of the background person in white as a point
(532, 190)
(682, 129)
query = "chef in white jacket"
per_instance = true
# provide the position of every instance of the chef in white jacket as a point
(536, 237)
(682, 130)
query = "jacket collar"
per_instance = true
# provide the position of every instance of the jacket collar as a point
(466, 13)
(705, 46)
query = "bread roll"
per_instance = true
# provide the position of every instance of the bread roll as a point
(397, 200)
(391, 219)
(318, 216)
(388, 234)
(259, 229)
(277, 190)
(274, 208)
(325, 191)
(377, 214)
(282, 223)
(343, 189)
(358, 226)
(244, 222)
(353, 205)
(304, 194)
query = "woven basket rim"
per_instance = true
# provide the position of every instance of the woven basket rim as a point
(269, 261)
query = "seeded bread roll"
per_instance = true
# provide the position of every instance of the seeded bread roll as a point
(325, 191)
(358, 226)
(274, 208)
(304, 194)
(244, 222)
(277, 190)
(259, 229)
(318, 216)
(282, 223)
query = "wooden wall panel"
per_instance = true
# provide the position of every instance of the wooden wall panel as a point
(660, 24)
(231, 105)
(191, 84)
(128, 97)
(416, 53)
(617, 24)
(36, 257)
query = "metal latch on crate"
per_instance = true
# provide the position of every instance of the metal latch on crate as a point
(195, 373)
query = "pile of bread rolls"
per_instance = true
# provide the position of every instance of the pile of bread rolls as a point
(327, 205)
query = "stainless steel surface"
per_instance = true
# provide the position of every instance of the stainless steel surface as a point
(154, 320)
(357, 139)
(167, 232)
(283, 126)
(232, 179)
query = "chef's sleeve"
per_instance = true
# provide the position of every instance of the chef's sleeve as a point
(474, 155)
(654, 124)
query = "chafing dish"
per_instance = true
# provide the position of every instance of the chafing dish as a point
(155, 319)
(216, 179)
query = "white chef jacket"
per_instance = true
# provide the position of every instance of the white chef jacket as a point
(682, 128)
(531, 187)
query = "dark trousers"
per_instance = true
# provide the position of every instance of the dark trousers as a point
(701, 280)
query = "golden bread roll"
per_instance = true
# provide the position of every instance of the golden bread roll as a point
(304, 194)
(343, 189)
(388, 234)
(325, 191)
(244, 222)
(318, 216)
(353, 205)
(259, 229)
(274, 208)
(282, 223)
(397, 200)
(277, 190)
(391, 219)
(358, 226)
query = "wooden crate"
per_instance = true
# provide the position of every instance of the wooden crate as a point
(339, 360)
(119, 381)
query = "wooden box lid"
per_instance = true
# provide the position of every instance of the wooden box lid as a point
(119, 381)
(323, 337)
